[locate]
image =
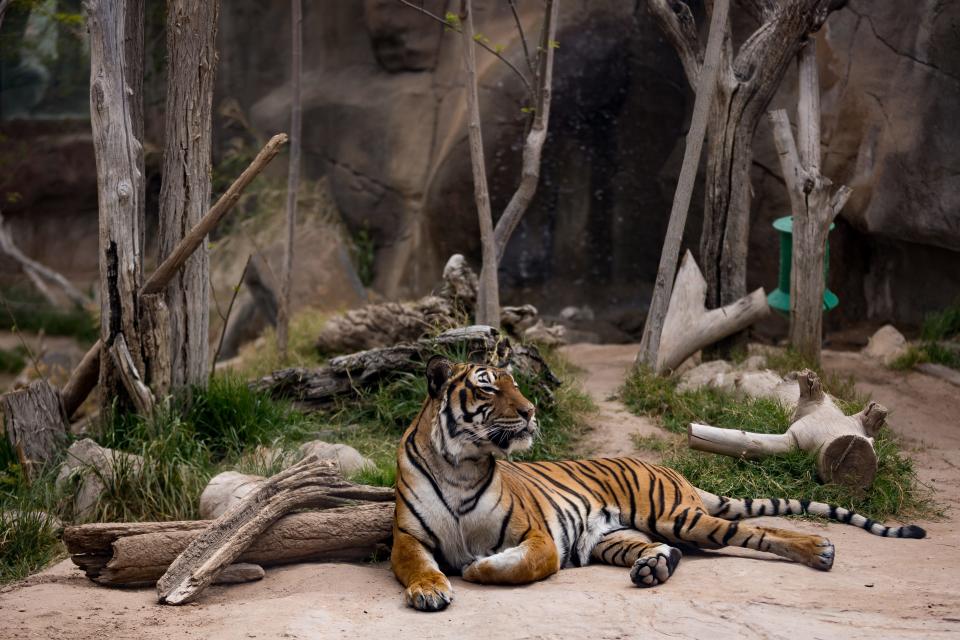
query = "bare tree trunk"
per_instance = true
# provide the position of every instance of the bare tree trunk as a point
(293, 177)
(814, 208)
(746, 84)
(666, 271)
(488, 298)
(119, 187)
(185, 194)
(537, 136)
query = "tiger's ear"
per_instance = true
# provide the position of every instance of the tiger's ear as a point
(439, 370)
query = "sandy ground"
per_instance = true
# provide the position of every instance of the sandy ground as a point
(878, 588)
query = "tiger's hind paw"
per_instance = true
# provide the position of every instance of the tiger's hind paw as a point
(656, 566)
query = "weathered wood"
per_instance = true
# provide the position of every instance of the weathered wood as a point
(82, 380)
(131, 554)
(293, 173)
(309, 483)
(843, 444)
(536, 136)
(132, 381)
(34, 424)
(185, 192)
(155, 340)
(387, 323)
(119, 185)
(34, 268)
(667, 270)
(346, 374)
(488, 298)
(689, 326)
(745, 86)
(813, 205)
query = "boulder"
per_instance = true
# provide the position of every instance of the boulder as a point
(87, 470)
(349, 459)
(886, 345)
(224, 490)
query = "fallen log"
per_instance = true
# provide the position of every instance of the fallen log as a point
(138, 553)
(689, 326)
(309, 483)
(843, 444)
(343, 375)
(34, 424)
(84, 377)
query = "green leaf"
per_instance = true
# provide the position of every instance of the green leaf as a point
(554, 44)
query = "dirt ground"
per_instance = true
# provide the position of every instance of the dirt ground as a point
(878, 588)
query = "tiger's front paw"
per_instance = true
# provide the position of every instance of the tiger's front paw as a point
(656, 566)
(433, 594)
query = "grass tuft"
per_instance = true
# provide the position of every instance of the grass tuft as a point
(939, 341)
(895, 492)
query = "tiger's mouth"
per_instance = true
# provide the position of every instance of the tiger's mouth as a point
(513, 438)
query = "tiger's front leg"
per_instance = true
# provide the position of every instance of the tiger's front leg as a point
(427, 589)
(533, 559)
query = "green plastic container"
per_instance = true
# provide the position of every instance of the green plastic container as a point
(779, 298)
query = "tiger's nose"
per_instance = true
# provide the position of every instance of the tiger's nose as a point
(526, 413)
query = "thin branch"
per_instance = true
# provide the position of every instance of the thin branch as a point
(226, 319)
(484, 45)
(523, 37)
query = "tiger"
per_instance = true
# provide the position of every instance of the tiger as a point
(463, 507)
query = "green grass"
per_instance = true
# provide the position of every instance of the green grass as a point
(12, 360)
(24, 311)
(939, 343)
(895, 491)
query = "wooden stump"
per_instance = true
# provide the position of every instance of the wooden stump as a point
(35, 424)
(843, 444)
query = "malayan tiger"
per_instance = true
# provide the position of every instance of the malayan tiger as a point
(461, 507)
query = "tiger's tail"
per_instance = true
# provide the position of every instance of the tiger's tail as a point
(736, 509)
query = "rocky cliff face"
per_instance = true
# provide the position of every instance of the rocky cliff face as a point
(384, 123)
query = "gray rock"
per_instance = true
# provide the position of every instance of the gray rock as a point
(349, 459)
(87, 470)
(886, 345)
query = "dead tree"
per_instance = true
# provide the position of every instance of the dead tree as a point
(119, 186)
(843, 444)
(84, 377)
(494, 240)
(814, 205)
(747, 81)
(293, 176)
(667, 269)
(185, 193)
(34, 424)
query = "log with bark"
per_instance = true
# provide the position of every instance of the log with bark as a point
(689, 326)
(343, 375)
(843, 444)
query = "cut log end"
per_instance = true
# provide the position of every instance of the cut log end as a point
(849, 460)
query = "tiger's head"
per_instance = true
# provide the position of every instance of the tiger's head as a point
(480, 410)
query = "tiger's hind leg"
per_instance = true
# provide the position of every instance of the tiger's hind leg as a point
(709, 532)
(651, 563)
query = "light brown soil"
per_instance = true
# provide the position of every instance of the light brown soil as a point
(878, 588)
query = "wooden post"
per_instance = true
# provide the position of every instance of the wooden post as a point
(813, 207)
(293, 176)
(185, 194)
(488, 298)
(663, 286)
(119, 186)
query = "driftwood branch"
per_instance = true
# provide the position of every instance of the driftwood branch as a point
(309, 483)
(344, 375)
(83, 379)
(38, 270)
(689, 326)
(667, 270)
(843, 444)
(137, 554)
(139, 392)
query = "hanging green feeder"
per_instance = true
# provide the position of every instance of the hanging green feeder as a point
(779, 298)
